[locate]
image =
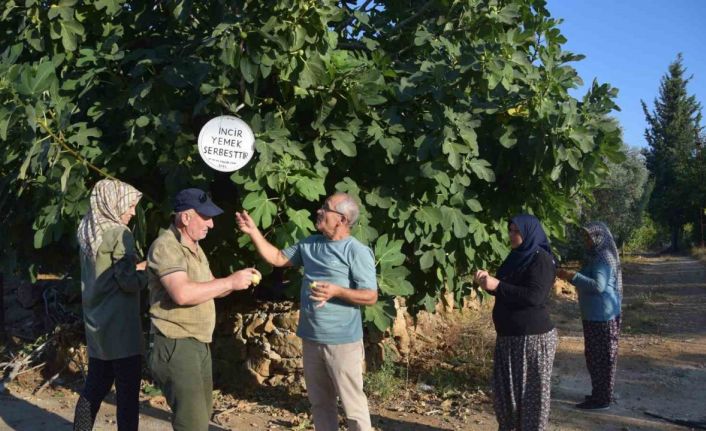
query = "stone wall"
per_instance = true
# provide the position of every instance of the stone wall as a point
(260, 347)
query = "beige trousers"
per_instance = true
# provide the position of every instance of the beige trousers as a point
(336, 369)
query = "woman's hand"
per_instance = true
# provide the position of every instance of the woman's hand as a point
(565, 274)
(486, 281)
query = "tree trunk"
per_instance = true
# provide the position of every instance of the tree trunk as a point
(675, 239)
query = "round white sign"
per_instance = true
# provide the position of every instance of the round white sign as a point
(226, 143)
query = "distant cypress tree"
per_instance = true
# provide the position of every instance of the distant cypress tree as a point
(673, 135)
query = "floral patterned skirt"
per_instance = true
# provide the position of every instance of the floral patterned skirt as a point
(522, 380)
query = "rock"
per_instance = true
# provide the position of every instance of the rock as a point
(399, 331)
(446, 304)
(233, 349)
(259, 366)
(287, 345)
(276, 380)
(269, 325)
(255, 326)
(238, 324)
(287, 321)
(158, 401)
(273, 356)
(286, 366)
(446, 405)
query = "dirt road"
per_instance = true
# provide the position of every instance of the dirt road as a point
(662, 369)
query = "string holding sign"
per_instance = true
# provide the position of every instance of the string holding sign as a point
(226, 143)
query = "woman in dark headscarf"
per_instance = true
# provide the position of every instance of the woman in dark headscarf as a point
(526, 338)
(110, 290)
(600, 287)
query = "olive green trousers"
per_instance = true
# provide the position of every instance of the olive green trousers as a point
(182, 370)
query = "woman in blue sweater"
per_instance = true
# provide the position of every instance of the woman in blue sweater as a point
(600, 288)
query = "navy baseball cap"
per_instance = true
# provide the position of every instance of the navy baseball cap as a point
(198, 200)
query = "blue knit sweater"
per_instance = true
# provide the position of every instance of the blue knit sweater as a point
(598, 299)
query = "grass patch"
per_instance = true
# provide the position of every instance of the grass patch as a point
(461, 362)
(465, 361)
(386, 382)
(699, 253)
(640, 323)
(303, 425)
(640, 301)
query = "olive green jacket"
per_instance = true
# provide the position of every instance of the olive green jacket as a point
(110, 290)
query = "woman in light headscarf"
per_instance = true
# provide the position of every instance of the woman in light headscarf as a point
(111, 280)
(600, 287)
(526, 338)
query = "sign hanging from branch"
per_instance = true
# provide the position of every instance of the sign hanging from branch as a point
(226, 143)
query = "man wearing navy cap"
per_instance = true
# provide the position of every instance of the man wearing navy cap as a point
(182, 310)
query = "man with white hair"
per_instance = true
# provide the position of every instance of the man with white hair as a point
(339, 277)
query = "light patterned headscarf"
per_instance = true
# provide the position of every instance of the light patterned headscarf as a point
(109, 200)
(604, 249)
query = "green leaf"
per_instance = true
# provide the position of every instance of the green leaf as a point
(344, 141)
(455, 153)
(68, 34)
(393, 281)
(507, 139)
(261, 209)
(388, 253)
(40, 238)
(310, 187)
(583, 138)
(312, 73)
(65, 176)
(427, 260)
(248, 69)
(457, 220)
(474, 205)
(83, 135)
(302, 219)
(298, 39)
(381, 314)
(482, 170)
(574, 158)
(111, 6)
(40, 81)
(428, 215)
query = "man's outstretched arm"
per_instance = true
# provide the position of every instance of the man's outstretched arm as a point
(269, 252)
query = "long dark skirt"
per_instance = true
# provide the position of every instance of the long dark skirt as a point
(522, 380)
(601, 351)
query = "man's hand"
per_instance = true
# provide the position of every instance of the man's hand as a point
(565, 274)
(245, 223)
(241, 280)
(322, 291)
(141, 266)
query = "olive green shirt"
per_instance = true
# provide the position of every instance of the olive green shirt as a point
(168, 254)
(110, 291)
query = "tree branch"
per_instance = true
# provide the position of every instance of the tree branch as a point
(419, 13)
(345, 23)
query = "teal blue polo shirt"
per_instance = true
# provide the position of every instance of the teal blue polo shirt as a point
(347, 263)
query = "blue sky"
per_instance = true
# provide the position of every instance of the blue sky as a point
(630, 44)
